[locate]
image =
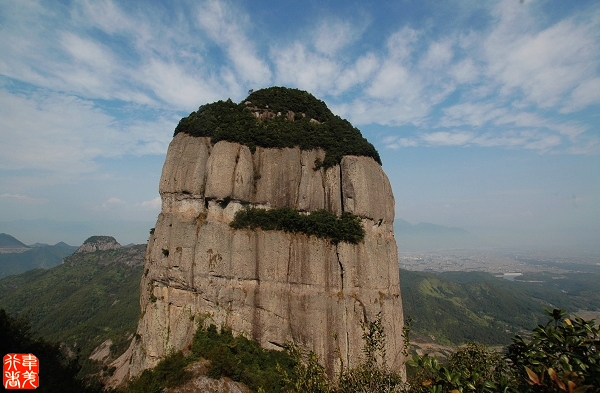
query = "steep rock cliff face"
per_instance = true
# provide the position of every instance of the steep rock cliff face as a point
(271, 286)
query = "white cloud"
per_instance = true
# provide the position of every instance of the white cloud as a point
(438, 56)
(153, 204)
(333, 35)
(464, 71)
(541, 142)
(23, 198)
(447, 138)
(57, 133)
(298, 66)
(175, 85)
(587, 93)
(542, 64)
(394, 142)
(115, 205)
(224, 26)
(141, 56)
(356, 74)
(112, 203)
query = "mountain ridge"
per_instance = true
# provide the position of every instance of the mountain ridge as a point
(7, 241)
(403, 226)
(17, 260)
(429, 237)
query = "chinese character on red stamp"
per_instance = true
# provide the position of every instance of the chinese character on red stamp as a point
(20, 371)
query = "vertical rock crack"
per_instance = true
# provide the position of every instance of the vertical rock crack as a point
(347, 350)
(341, 188)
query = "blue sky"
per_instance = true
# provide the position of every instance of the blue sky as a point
(486, 114)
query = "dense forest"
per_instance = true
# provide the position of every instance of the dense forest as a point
(88, 299)
(291, 118)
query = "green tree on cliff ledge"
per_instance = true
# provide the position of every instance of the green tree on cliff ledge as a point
(290, 118)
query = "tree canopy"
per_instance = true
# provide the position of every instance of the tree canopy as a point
(291, 118)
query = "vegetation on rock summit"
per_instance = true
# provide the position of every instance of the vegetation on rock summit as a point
(285, 118)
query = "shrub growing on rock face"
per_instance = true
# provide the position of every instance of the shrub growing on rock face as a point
(321, 223)
(241, 359)
(370, 375)
(312, 126)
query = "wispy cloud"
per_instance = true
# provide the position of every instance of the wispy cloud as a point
(510, 85)
(115, 204)
(513, 83)
(542, 64)
(532, 140)
(65, 134)
(23, 199)
(224, 25)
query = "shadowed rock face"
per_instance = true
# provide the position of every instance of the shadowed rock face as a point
(271, 286)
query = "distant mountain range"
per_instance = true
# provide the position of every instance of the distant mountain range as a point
(16, 257)
(401, 226)
(431, 237)
(7, 241)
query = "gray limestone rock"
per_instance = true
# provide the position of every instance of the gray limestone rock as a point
(271, 286)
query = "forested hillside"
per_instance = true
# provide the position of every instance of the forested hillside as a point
(455, 307)
(44, 256)
(89, 299)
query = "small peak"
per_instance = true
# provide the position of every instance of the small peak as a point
(98, 242)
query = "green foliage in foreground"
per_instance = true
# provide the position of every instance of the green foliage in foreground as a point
(235, 357)
(169, 372)
(322, 223)
(57, 372)
(371, 375)
(561, 356)
(472, 368)
(228, 121)
(241, 359)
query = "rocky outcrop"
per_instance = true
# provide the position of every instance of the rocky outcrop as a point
(98, 242)
(270, 286)
(200, 383)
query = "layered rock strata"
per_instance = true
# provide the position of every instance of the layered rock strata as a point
(271, 286)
